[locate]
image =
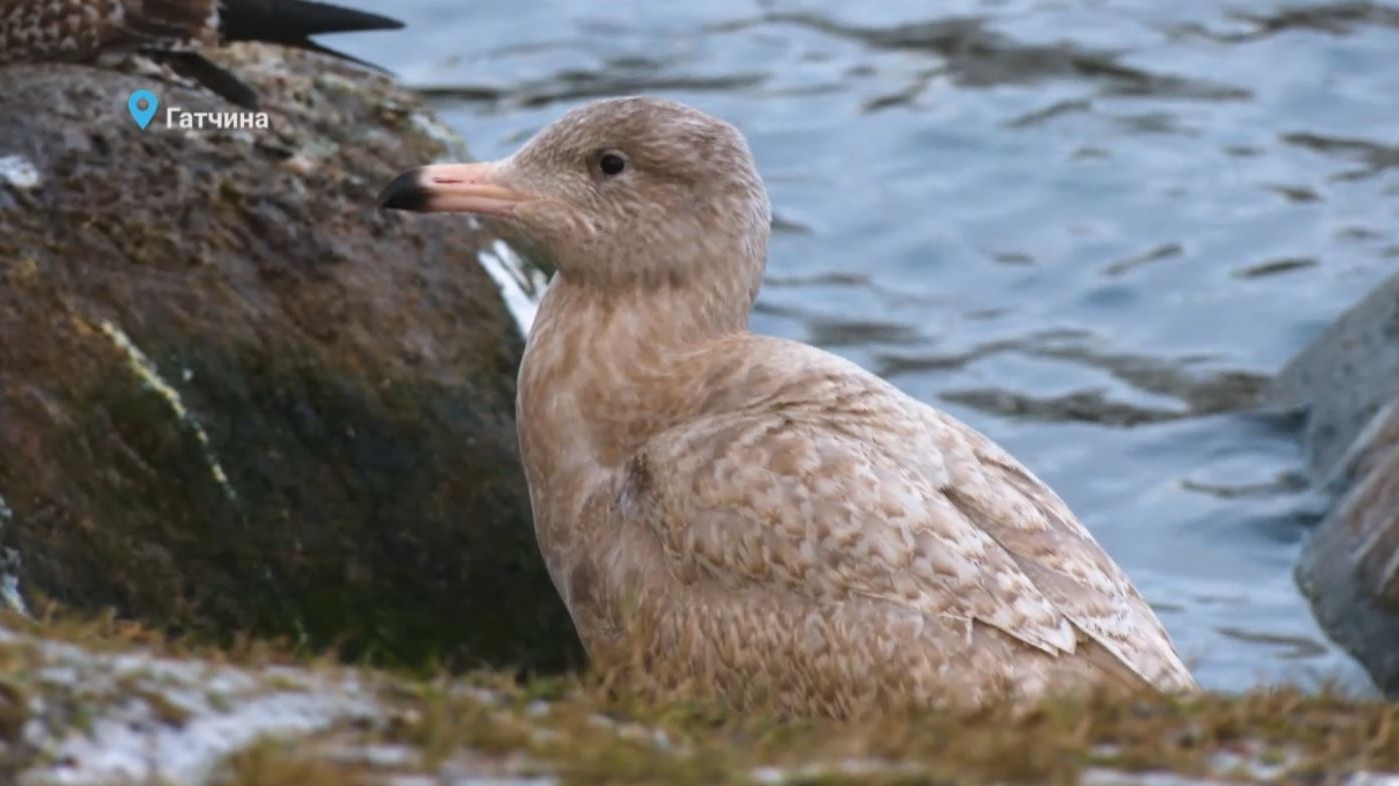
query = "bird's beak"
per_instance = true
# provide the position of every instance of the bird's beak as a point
(452, 188)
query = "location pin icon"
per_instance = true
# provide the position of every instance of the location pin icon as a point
(143, 104)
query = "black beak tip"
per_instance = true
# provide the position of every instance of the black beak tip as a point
(405, 192)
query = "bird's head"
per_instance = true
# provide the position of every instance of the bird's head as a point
(619, 191)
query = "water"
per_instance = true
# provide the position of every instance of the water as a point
(1089, 228)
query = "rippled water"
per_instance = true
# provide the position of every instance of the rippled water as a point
(1089, 228)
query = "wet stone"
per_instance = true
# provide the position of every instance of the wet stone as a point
(236, 398)
(1347, 384)
(1345, 376)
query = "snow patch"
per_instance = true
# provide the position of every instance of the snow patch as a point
(134, 746)
(1373, 779)
(19, 172)
(1104, 777)
(10, 567)
(9, 581)
(160, 720)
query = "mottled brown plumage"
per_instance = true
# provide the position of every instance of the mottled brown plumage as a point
(763, 520)
(36, 31)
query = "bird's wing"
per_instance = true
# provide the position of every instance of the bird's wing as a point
(1061, 557)
(78, 30)
(834, 484)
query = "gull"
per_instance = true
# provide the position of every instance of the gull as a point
(755, 518)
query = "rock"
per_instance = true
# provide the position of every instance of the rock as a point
(1349, 567)
(1344, 378)
(237, 398)
(1347, 383)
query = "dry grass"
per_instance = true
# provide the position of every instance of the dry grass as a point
(277, 764)
(590, 730)
(590, 735)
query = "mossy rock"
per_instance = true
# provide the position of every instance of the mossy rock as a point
(235, 397)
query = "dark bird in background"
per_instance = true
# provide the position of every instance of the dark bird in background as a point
(172, 32)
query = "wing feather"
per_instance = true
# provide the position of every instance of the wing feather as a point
(844, 487)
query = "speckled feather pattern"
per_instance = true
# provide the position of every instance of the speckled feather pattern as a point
(792, 491)
(79, 30)
(762, 519)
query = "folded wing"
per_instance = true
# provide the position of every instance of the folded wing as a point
(839, 486)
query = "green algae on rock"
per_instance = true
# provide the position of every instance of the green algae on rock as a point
(235, 397)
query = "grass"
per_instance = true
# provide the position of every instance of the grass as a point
(587, 729)
(587, 736)
(272, 763)
(106, 632)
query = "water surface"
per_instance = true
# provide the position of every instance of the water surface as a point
(1089, 228)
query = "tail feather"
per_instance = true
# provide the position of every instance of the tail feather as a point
(292, 22)
(174, 31)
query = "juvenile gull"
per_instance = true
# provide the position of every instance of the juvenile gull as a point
(172, 31)
(757, 518)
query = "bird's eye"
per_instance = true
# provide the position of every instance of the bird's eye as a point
(612, 164)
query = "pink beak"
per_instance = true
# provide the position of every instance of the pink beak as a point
(452, 188)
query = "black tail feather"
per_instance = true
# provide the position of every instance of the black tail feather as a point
(285, 22)
(292, 22)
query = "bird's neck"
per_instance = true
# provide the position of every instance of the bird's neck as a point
(605, 369)
(671, 305)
